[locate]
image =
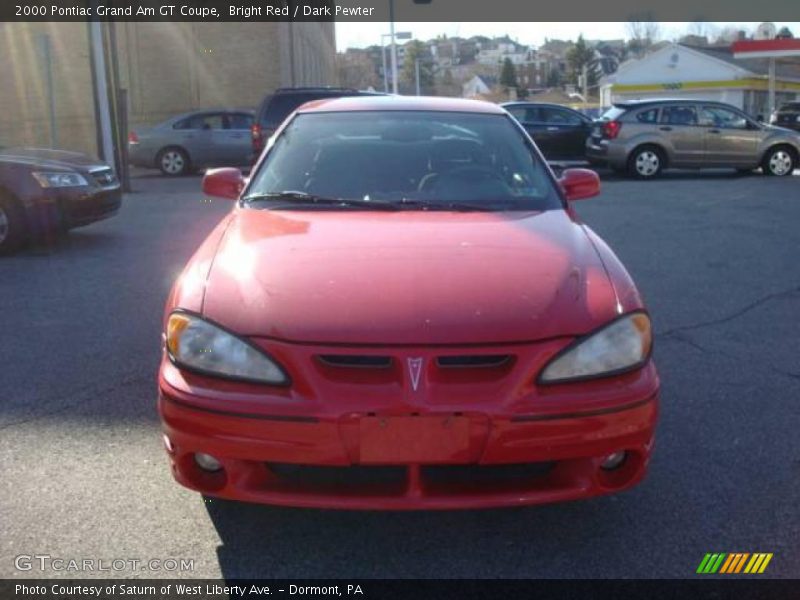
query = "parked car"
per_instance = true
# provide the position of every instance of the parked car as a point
(788, 115)
(45, 191)
(646, 136)
(275, 107)
(194, 140)
(559, 131)
(403, 311)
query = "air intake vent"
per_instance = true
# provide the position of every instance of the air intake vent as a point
(469, 361)
(356, 361)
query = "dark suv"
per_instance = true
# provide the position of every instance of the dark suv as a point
(279, 105)
(788, 115)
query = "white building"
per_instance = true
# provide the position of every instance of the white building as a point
(704, 73)
(478, 86)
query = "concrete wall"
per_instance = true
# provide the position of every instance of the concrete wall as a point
(167, 68)
(25, 97)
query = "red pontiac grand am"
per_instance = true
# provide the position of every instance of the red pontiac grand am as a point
(402, 311)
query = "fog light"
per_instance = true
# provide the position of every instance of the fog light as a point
(207, 462)
(613, 461)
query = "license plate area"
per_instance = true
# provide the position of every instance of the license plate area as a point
(415, 439)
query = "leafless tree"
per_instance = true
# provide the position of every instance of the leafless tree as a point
(643, 34)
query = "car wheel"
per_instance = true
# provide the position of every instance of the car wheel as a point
(11, 226)
(779, 161)
(646, 162)
(173, 162)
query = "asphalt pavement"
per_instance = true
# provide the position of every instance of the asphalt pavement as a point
(84, 474)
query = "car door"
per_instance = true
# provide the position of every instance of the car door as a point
(528, 117)
(233, 146)
(731, 139)
(680, 129)
(196, 135)
(566, 132)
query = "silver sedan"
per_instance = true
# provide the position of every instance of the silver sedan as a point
(195, 140)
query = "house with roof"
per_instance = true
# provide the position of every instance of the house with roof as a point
(704, 73)
(479, 86)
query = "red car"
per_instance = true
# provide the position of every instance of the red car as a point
(402, 311)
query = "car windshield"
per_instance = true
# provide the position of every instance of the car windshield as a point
(406, 159)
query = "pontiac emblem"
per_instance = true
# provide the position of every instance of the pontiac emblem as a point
(415, 370)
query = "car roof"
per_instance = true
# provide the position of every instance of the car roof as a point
(534, 103)
(400, 103)
(652, 101)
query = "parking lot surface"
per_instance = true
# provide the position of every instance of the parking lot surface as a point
(84, 475)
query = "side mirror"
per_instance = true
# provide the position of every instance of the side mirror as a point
(579, 184)
(760, 118)
(227, 182)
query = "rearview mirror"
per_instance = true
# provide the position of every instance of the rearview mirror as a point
(579, 184)
(226, 182)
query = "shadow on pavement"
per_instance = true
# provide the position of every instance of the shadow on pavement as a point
(273, 542)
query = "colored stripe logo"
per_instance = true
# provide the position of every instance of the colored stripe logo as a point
(736, 562)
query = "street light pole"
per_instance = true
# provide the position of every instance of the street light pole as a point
(416, 68)
(383, 57)
(394, 47)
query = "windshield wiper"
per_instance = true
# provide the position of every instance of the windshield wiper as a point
(454, 206)
(314, 200)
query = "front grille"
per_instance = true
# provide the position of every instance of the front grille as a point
(473, 360)
(328, 477)
(356, 361)
(485, 475)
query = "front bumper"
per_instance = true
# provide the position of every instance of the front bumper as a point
(88, 206)
(431, 458)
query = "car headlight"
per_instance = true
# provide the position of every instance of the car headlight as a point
(198, 345)
(622, 345)
(59, 180)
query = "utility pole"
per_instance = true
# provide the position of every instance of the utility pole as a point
(385, 74)
(416, 68)
(44, 41)
(394, 47)
(585, 78)
(100, 81)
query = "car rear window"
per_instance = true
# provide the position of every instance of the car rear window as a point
(791, 106)
(613, 113)
(647, 116)
(424, 156)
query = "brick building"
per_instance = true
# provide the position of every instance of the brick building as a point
(167, 68)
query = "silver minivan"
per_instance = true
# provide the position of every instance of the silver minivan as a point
(643, 137)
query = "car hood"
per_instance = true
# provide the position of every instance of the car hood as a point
(49, 158)
(407, 277)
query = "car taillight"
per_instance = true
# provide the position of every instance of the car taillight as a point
(133, 138)
(611, 129)
(256, 134)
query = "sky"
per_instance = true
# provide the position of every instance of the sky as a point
(360, 35)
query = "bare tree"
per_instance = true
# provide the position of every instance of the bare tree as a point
(642, 34)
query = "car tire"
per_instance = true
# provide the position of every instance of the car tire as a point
(12, 225)
(779, 161)
(646, 162)
(173, 161)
